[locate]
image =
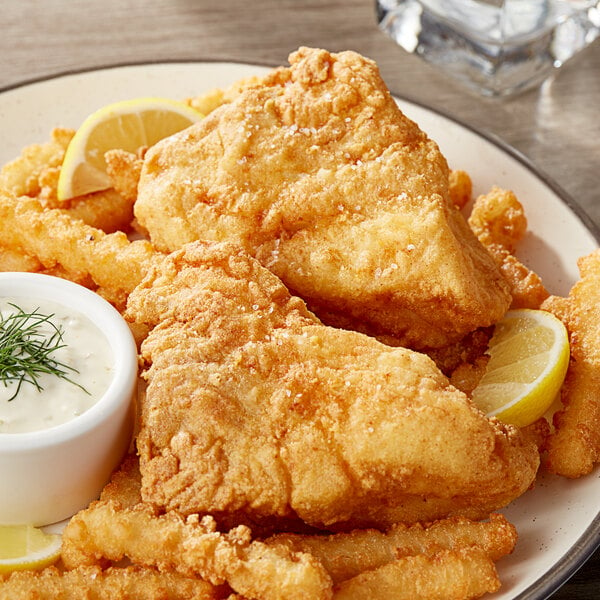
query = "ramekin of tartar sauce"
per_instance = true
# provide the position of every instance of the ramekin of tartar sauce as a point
(68, 375)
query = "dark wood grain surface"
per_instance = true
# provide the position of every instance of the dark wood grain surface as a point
(556, 126)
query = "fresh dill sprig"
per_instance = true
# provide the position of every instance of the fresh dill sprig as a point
(26, 349)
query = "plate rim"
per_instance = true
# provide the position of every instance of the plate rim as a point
(589, 541)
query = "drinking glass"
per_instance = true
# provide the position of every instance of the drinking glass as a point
(497, 47)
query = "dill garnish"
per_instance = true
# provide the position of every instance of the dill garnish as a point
(26, 349)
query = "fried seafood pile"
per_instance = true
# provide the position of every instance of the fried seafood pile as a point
(312, 310)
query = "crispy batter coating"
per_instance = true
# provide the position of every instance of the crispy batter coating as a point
(346, 555)
(498, 218)
(253, 405)
(470, 351)
(574, 447)
(125, 484)
(124, 169)
(106, 210)
(15, 260)
(192, 547)
(208, 101)
(12, 259)
(460, 188)
(25, 175)
(92, 583)
(499, 221)
(466, 376)
(318, 174)
(449, 575)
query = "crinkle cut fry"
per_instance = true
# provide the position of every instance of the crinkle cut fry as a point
(106, 530)
(448, 575)
(574, 447)
(53, 237)
(345, 555)
(92, 583)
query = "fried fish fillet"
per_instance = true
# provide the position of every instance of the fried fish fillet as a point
(317, 173)
(254, 406)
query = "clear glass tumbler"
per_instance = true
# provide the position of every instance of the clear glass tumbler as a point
(497, 47)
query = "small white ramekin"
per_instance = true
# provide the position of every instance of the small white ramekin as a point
(47, 476)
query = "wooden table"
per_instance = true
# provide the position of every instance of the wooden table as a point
(556, 126)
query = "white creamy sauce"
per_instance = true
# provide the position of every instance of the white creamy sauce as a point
(85, 348)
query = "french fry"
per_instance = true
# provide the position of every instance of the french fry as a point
(93, 583)
(574, 447)
(449, 575)
(346, 555)
(192, 547)
(54, 238)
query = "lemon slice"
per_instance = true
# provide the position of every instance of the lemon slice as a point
(126, 125)
(27, 547)
(529, 356)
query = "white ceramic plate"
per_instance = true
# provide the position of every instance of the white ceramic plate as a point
(558, 521)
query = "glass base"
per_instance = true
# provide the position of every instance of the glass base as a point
(497, 47)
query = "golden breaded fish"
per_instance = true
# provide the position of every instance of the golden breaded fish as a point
(254, 407)
(317, 173)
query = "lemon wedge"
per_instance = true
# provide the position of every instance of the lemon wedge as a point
(126, 125)
(529, 356)
(27, 547)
